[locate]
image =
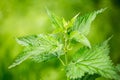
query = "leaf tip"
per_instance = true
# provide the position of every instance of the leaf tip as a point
(101, 10)
(49, 13)
(11, 66)
(76, 15)
(106, 41)
(21, 42)
(89, 46)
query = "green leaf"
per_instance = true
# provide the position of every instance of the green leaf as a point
(56, 21)
(83, 22)
(70, 23)
(88, 77)
(26, 53)
(39, 48)
(28, 40)
(92, 61)
(118, 67)
(80, 38)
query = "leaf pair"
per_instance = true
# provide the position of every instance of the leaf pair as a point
(81, 27)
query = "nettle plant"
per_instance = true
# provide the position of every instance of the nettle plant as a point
(86, 63)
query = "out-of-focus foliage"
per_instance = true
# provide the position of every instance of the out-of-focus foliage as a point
(25, 17)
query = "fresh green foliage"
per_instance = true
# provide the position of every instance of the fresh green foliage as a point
(82, 23)
(39, 48)
(88, 63)
(80, 38)
(88, 77)
(91, 61)
(118, 67)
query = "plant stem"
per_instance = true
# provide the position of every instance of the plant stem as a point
(66, 60)
(65, 46)
(66, 42)
(61, 61)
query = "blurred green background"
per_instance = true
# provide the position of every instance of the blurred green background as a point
(26, 17)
